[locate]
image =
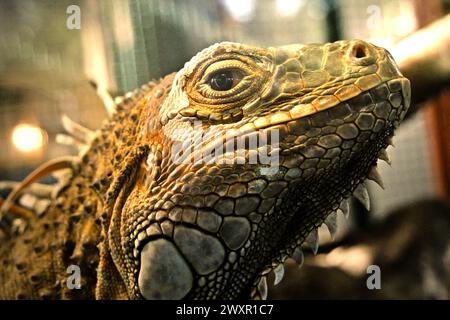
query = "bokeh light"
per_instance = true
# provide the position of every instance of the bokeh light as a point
(28, 138)
(240, 10)
(288, 8)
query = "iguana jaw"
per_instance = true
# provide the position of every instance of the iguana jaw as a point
(300, 110)
(334, 185)
(306, 229)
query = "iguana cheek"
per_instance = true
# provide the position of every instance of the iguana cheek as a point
(164, 274)
(166, 267)
(205, 252)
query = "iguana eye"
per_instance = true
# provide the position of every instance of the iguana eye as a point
(225, 80)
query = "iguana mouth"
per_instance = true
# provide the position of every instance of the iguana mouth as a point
(363, 164)
(301, 110)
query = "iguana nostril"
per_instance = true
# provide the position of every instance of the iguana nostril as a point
(359, 51)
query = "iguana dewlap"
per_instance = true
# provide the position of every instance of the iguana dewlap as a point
(200, 184)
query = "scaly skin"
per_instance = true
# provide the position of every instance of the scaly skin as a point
(141, 223)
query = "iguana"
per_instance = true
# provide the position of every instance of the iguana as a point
(151, 211)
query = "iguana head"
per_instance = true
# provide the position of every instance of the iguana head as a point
(249, 151)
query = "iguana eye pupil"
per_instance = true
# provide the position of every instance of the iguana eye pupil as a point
(222, 81)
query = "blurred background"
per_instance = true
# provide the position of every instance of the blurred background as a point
(49, 50)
